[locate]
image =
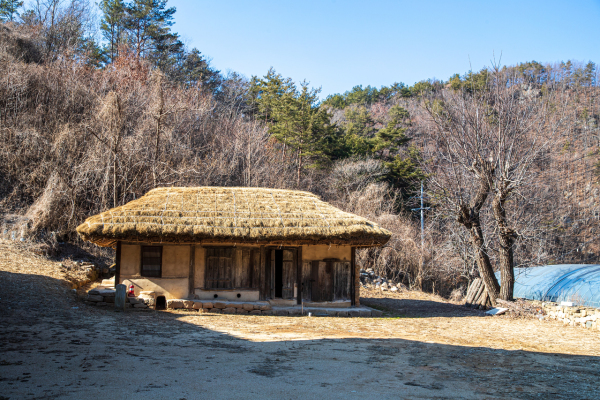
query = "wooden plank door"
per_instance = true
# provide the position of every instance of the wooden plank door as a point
(341, 280)
(322, 281)
(289, 274)
(219, 263)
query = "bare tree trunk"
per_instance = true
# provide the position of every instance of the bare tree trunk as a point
(506, 237)
(469, 216)
(299, 168)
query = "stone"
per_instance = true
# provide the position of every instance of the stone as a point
(136, 300)
(583, 313)
(188, 304)
(101, 304)
(267, 312)
(354, 313)
(92, 297)
(215, 310)
(149, 301)
(207, 304)
(364, 313)
(255, 312)
(197, 305)
(248, 306)
(220, 304)
(120, 297)
(376, 313)
(295, 312)
(342, 313)
(281, 313)
(241, 311)
(94, 292)
(588, 324)
(263, 307)
(394, 289)
(109, 299)
(107, 292)
(174, 304)
(236, 305)
(140, 305)
(229, 310)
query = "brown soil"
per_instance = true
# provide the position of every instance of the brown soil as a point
(54, 346)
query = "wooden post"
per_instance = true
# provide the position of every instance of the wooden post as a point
(191, 275)
(299, 276)
(263, 274)
(353, 276)
(118, 264)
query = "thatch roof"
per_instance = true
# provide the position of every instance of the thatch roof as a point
(236, 215)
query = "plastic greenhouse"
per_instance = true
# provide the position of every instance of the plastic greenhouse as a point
(579, 283)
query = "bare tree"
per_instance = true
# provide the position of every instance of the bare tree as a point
(485, 144)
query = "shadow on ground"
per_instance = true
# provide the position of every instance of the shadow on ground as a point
(84, 352)
(415, 308)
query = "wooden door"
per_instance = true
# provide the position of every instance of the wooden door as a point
(289, 274)
(322, 281)
(219, 263)
(341, 280)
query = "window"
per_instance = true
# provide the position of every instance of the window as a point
(151, 261)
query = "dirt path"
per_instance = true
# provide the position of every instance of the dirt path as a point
(424, 349)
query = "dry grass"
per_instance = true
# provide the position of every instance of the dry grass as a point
(238, 215)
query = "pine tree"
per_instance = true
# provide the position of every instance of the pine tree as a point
(148, 26)
(112, 24)
(8, 9)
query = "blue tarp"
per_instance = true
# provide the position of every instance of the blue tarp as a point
(579, 283)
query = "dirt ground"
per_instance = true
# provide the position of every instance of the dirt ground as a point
(54, 346)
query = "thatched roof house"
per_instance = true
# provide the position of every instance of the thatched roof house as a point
(235, 242)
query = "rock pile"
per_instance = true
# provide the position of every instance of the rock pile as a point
(80, 273)
(586, 317)
(369, 280)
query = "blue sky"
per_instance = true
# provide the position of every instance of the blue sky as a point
(338, 44)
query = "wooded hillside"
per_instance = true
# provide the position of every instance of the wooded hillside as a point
(88, 125)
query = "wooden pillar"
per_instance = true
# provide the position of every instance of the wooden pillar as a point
(263, 274)
(353, 288)
(191, 290)
(118, 264)
(299, 276)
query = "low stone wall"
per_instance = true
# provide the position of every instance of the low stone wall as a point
(105, 296)
(586, 317)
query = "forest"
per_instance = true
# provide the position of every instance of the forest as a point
(96, 109)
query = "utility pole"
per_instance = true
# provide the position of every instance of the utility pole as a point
(422, 218)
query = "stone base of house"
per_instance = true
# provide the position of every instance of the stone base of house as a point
(266, 308)
(103, 296)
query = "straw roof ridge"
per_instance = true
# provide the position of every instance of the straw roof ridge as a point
(231, 214)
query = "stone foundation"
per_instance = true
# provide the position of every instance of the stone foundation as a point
(264, 308)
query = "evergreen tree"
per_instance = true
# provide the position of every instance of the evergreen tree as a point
(148, 25)
(112, 24)
(195, 69)
(8, 9)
